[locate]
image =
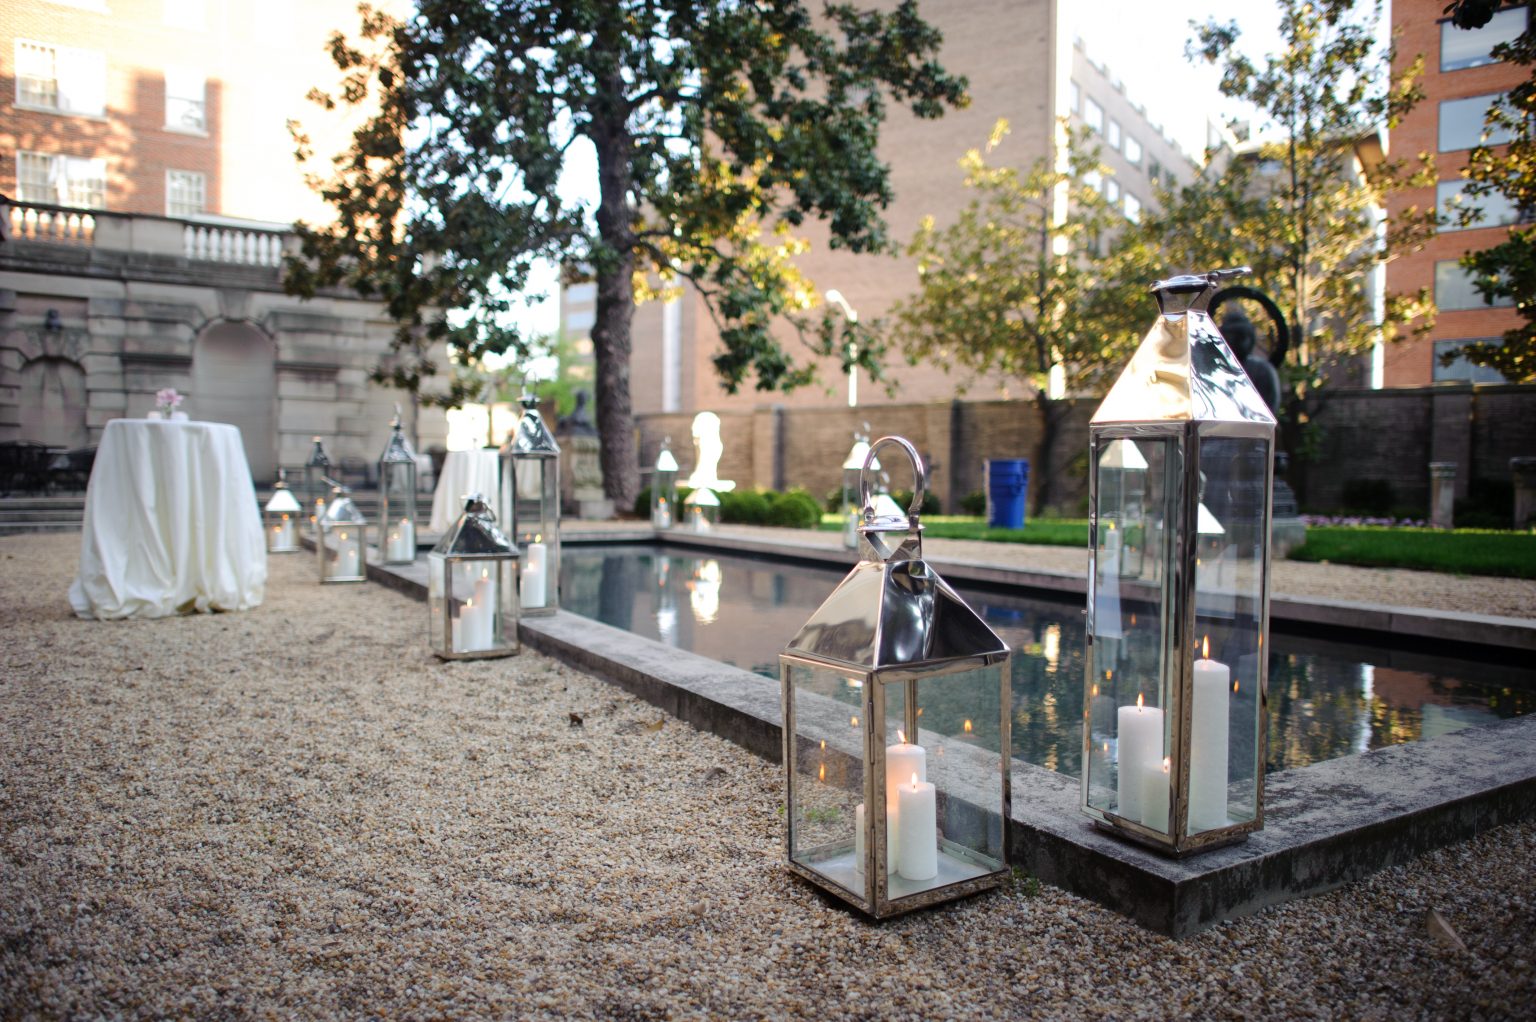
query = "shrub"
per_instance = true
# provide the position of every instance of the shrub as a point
(1368, 497)
(974, 503)
(904, 499)
(743, 507)
(795, 509)
(643, 503)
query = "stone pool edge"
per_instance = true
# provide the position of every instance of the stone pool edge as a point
(1326, 825)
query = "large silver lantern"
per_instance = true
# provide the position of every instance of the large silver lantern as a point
(282, 514)
(472, 588)
(397, 499)
(530, 481)
(664, 488)
(317, 483)
(896, 729)
(853, 472)
(701, 509)
(1178, 604)
(342, 537)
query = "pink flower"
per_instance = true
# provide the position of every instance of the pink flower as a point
(167, 398)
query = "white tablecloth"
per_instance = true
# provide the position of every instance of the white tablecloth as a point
(171, 523)
(465, 472)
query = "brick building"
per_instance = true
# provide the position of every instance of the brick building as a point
(1460, 80)
(1025, 64)
(145, 150)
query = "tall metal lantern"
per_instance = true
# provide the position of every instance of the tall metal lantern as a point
(664, 488)
(896, 729)
(397, 499)
(701, 509)
(282, 514)
(1174, 727)
(317, 483)
(530, 480)
(342, 538)
(472, 588)
(853, 471)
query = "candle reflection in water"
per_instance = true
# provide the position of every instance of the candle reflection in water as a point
(704, 591)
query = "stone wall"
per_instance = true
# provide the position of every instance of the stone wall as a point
(1390, 435)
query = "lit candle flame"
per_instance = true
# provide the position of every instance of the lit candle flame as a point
(853, 721)
(469, 604)
(1206, 650)
(967, 727)
(538, 537)
(914, 780)
(1133, 620)
(1095, 691)
(1138, 702)
(1234, 686)
(823, 745)
(821, 775)
(285, 518)
(1165, 764)
(901, 736)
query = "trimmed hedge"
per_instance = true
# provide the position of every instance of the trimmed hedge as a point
(795, 508)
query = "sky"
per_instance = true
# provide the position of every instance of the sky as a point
(1143, 46)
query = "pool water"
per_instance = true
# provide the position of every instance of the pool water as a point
(1326, 699)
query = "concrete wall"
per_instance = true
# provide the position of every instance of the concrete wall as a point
(1382, 434)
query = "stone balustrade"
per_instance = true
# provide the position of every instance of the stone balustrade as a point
(197, 241)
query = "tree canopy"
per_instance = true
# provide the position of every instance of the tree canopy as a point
(718, 127)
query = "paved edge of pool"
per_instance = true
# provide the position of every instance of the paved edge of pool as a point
(1326, 824)
(1371, 620)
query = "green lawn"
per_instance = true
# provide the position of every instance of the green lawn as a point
(1462, 552)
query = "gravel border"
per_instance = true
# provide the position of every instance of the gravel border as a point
(295, 811)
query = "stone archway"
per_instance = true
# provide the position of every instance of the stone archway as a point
(51, 402)
(234, 380)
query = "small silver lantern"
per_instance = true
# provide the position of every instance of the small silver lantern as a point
(342, 538)
(664, 488)
(1174, 726)
(701, 510)
(896, 729)
(530, 481)
(317, 483)
(397, 499)
(472, 588)
(282, 514)
(853, 471)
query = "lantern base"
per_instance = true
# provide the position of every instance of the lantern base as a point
(1193, 845)
(479, 654)
(957, 878)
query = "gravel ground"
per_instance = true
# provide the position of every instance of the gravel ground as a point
(296, 812)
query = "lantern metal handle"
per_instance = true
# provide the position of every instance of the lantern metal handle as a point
(919, 477)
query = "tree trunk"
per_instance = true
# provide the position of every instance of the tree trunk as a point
(615, 263)
(1043, 468)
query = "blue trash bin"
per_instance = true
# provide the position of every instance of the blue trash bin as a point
(1007, 485)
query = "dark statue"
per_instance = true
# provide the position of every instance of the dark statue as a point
(1242, 338)
(579, 422)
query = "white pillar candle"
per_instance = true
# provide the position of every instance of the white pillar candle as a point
(1208, 740)
(1140, 746)
(536, 576)
(902, 760)
(401, 543)
(859, 845)
(348, 559)
(917, 830)
(485, 612)
(283, 538)
(1154, 795)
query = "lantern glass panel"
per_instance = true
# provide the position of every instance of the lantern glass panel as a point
(1127, 741)
(535, 503)
(826, 784)
(341, 551)
(471, 605)
(397, 510)
(1229, 606)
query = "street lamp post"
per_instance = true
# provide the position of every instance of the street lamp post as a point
(836, 298)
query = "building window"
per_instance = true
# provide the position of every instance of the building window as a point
(1454, 290)
(59, 78)
(1094, 180)
(1462, 48)
(1112, 191)
(1461, 123)
(185, 106)
(61, 180)
(1093, 114)
(186, 193)
(1112, 136)
(1132, 208)
(1154, 172)
(1492, 210)
(1462, 371)
(1075, 97)
(1132, 150)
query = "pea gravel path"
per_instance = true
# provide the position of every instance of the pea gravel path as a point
(294, 812)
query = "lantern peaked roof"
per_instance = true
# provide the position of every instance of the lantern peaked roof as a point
(317, 456)
(282, 499)
(398, 449)
(665, 462)
(1184, 370)
(475, 532)
(532, 435)
(340, 510)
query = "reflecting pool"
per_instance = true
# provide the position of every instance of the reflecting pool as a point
(1326, 699)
